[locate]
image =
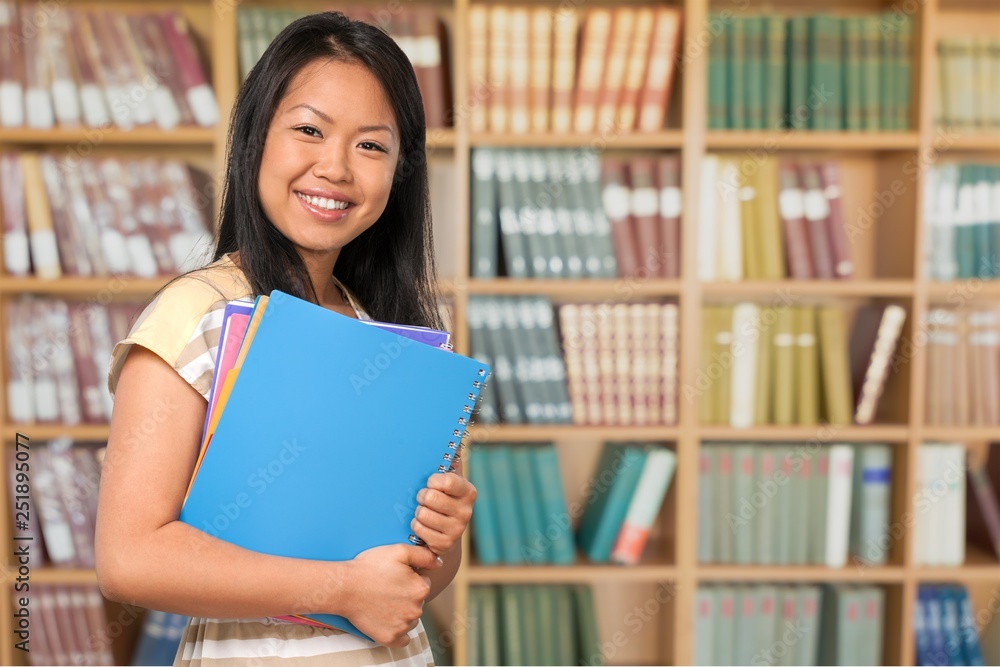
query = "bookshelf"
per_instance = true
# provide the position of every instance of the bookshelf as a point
(889, 268)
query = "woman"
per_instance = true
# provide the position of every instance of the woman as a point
(326, 187)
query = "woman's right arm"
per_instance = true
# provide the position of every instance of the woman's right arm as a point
(146, 557)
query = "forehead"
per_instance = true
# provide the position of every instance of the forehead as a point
(341, 90)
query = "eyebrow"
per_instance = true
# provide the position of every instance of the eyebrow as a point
(325, 117)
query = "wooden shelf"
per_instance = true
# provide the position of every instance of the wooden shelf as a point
(979, 566)
(84, 286)
(959, 433)
(811, 140)
(799, 573)
(90, 432)
(484, 433)
(581, 289)
(981, 143)
(759, 288)
(555, 574)
(823, 433)
(964, 289)
(652, 140)
(140, 136)
(55, 575)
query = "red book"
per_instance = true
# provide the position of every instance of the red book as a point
(196, 87)
(817, 214)
(616, 197)
(791, 208)
(669, 178)
(843, 266)
(644, 205)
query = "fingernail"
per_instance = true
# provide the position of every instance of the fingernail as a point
(437, 559)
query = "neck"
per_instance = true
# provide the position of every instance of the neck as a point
(320, 265)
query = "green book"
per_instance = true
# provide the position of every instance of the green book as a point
(800, 516)
(765, 524)
(724, 628)
(965, 229)
(557, 531)
(887, 67)
(754, 68)
(834, 28)
(507, 503)
(490, 632)
(841, 627)
(853, 99)
(799, 113)
(992, 268)
(706, 505)
(903, 75)
(809, 616)
(747, 631)
(815, 505)
(704, 620)
(512, 628)
(485, 524)
(485, 231)
(723, 485)
(870, 73)
(565, 637)
(745, 523)
(986, 253)
(545, 601)
(513, 241)
(737, 84)
(615, 479)
(718, 75)
(776, 32)
(819, 90)
(589, 646)
(783, 503)
(474, 636)
(530, 623)
(529, 505)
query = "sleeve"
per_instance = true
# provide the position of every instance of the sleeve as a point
(182, 326)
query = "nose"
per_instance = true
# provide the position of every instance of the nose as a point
(333, 164)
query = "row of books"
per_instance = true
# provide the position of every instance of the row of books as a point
(967, 97)
(533, 625)
(939, 503)
(621, 362)
(101, 216)
(159, 639)
(962, 219)
(791, 364)
(517, 337)
(68, 625)
(573, 214)
(771, 219)
(789, 625)
(57, 356)
(417, 31)
(794, 504)
(944, 627)
(100, 68)
(62, 500)
(963, 366)
(820, 72)
(533, 69)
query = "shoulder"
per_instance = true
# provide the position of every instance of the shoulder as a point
(183, 322)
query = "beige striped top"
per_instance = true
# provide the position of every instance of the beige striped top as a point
(182, 326)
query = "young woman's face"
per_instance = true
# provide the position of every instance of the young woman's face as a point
(329, 156)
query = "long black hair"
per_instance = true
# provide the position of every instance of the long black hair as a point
(389, 266)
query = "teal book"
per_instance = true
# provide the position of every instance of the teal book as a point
(557, 529)
(614, 481)
(309, 404)
(754, 68)
(507, 504)
(737, 83)
(775, 83)
(799, 70)
(485, 524)
(718, 75)
(529, 503)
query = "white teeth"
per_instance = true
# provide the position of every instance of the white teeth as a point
(324, 203)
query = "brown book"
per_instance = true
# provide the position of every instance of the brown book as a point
(20, 379)
(616, 198)
(645, 210)
(63, 610)
(16, 252)
(519, 86)
(98, 626)
(670, 350)
(622, 35)
(791, 207)
(817, 212)
(660, 72)
(72, 253)
(499, 36)
(12, 83)
(594, 45)
(429, 37)
(669, 178)
(58, 640)
(876, 332)
(572, 337)
(540, 62)
(635, 71)
(479, 72)
(984, 366)
(78, 504)
(148, 25)
(564, 39)
(89, 655)
(843, 265)
(961, 372)
(44, 249)
(86, 370)
(982, 519)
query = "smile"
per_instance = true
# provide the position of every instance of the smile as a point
(323, 203)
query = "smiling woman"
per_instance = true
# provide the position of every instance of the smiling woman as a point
(325, 198)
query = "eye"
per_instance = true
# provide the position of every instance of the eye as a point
(308, 130)
(372, 146)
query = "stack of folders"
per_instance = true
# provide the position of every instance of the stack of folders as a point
(303, 400)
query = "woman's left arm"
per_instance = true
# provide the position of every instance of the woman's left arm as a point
(443, 513)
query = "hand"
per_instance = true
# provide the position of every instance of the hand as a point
(384, 593)
(444, 510)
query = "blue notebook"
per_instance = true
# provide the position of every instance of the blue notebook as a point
(331, 429)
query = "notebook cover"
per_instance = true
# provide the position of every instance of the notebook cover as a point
(313, 415)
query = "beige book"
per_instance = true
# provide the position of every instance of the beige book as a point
(564, 24)
(593, 53)
(764, 390)
(622, 36)
(44, 249)
(747, 195)
(670, 337)
(541, 68)
(768, 224)
(656, 374)
(479, 82)
(784, 349)
(836, 368)
(635, 71)
(722, 363)
(660, 72)
(499, 68)
(984, 352)
(806, 367)
(519, 74)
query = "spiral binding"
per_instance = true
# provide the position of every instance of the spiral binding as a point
(458, 443)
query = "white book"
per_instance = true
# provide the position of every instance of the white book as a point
(744, 369)
(657, 472)
(951, 537)
(942, 241)
(706, 219)
(729, 223)
(838, 504)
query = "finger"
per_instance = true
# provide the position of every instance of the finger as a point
(443, 523)
(435, 540)
(421, 558)
(449, 484)
(441, 502)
